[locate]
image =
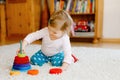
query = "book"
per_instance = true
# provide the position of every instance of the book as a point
(88, 7)
(82, 6)
(74, 6)
(71, 6)
(61, 4)
(65, 4)
(85, 5)
(79, 5)
(57, 5)
(68, 5)
(93, 6)
(55, 1)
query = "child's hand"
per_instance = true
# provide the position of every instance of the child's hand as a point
(64, 66)
(21, 54)
(18, 51)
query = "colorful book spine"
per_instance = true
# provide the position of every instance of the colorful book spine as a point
(85, 5)
(65, 4)
(71, 5)
(61, 4)
(55, 1)
(68, 5)
(93, 6)
(88, 7)
(74, 6)
(58, 5)
(79, 5)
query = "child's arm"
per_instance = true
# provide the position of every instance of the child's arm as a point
(24, 44)
(67, 53)
(33, 37)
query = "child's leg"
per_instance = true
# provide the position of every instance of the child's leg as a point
(57, 59)
(38, 59)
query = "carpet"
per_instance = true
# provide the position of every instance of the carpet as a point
(93, 64)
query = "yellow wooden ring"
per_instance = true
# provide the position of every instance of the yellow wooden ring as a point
(21, 55)
(13, 73)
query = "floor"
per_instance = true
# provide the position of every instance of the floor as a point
(93, 64)
(81, 44)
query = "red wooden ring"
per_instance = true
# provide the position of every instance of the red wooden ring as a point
(55, 71)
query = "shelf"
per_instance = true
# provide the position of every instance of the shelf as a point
(2, 2)
(81, 13)
(83, 35)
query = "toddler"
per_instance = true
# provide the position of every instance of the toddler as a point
(55, 47)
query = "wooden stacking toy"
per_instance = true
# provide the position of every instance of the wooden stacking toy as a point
(21, 61)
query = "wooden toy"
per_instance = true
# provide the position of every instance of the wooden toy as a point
(55, 71)
(33, 72)
(14, 73)
(21, 55)
(21, 61)
(75, 59)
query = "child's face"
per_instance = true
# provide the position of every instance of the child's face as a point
(55, 33)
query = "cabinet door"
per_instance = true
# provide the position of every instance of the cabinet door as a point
(18, 18)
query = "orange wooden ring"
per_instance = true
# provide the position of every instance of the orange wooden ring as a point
(33, 72)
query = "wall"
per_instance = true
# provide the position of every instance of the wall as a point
(111, 19)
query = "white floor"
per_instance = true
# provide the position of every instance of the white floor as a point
(94, 64)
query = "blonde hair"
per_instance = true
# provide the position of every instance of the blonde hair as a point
(61, 19)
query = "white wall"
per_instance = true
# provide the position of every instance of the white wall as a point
(111, 19)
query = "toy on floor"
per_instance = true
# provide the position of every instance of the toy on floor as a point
(33, 72)
(75, 59)
(58, 70)
(21, 61)
(55, 71)
(14, 73)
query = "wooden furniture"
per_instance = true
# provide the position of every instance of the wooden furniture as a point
(2, 23)
(96, 16)
(23, 17)
(44, 13)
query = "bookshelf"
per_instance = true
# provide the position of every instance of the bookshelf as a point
(87, 16)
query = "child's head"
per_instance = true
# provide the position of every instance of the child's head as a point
(61, 20)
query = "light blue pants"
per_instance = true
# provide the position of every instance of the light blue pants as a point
(39, 59)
